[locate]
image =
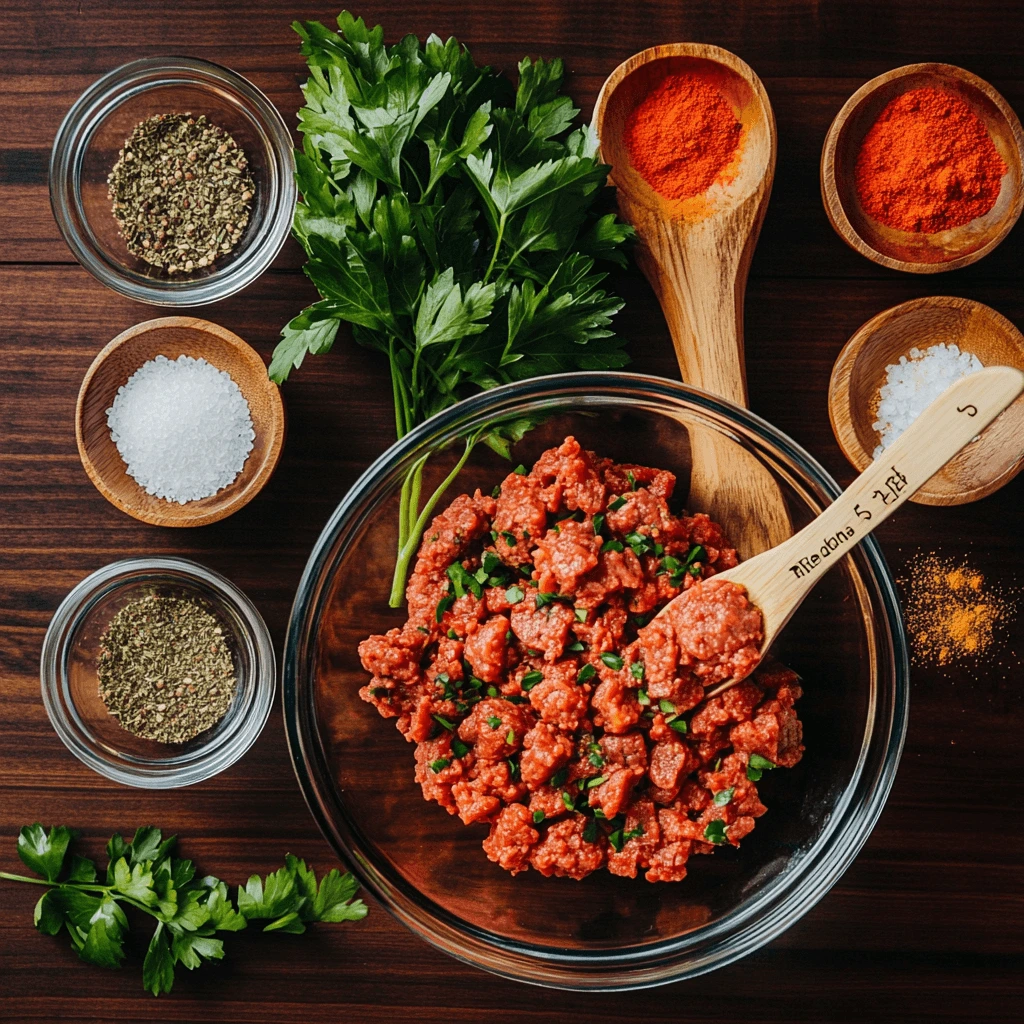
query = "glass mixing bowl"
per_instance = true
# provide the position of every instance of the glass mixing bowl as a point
(606, 932)
(86, 148)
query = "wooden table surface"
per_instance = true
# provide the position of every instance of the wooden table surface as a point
(927, 924)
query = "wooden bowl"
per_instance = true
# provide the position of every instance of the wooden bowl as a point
(986, 464)
(173, 336)
(917, 252)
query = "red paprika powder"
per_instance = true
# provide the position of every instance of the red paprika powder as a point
(682, 136)
(928, 164)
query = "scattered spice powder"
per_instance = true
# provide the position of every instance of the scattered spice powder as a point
(951, 615)
(928, 164)
(683, 136)
(165, 670)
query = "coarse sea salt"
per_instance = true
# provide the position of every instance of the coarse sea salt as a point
(183, 428)
(914, 383)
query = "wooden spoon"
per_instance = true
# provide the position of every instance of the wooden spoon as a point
(777, 581)
(696, 253)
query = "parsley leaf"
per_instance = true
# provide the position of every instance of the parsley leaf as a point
(44, 852)
(757, 765)
(716, 832)
(531, 679)
(158, 967)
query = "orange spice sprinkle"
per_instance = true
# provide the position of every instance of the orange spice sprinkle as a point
(950, 613)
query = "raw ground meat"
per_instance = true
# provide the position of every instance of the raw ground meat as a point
(545, 702)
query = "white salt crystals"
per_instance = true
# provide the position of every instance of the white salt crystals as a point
(914, 383)
(182, 427)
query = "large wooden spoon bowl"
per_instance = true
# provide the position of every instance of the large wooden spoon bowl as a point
(696, 253)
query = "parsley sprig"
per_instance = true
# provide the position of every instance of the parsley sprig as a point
(144, 874)
(451, 220)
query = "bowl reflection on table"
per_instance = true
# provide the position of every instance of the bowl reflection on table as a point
(846, 642)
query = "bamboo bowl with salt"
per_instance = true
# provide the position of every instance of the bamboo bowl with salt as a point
(983, 466)
(171, 337)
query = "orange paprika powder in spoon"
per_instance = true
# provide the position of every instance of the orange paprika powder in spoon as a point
(682, 137)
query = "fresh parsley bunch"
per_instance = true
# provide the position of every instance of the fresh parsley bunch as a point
(451, 220)
(145, 874)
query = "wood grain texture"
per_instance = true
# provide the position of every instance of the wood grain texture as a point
(859, 372)
(696, 253)
(171, 337)
(926, 926)
(919, 253)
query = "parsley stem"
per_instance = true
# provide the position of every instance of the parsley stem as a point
(414, 498)
(497, 247)
(396, 392)
(107, 890)
(409, 167)
(411, 541)
(24, 878)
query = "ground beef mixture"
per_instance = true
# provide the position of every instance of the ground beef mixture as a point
(546, 700)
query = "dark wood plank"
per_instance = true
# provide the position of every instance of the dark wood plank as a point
(925, 926)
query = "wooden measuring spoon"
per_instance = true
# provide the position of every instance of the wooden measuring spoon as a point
(777, 581)
(696, 253)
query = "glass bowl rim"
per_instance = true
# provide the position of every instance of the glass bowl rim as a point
(635, 966)
(220, 752)
(105, 95)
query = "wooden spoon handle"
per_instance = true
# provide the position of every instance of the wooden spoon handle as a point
(952, 421)
(699, 276)
(700, 288)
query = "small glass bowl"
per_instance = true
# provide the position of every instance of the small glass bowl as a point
(87, 146)
(71, 689)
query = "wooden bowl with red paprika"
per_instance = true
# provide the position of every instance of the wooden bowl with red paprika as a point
(922, 169)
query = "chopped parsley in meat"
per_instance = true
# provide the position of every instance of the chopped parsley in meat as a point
(546, 698)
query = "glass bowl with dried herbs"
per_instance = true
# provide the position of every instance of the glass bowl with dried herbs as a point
(157, 672)
(172, 181)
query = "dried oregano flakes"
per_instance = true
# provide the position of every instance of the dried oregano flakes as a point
(165, 668)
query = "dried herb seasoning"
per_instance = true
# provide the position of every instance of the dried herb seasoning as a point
(181, 192)
(165, 669)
